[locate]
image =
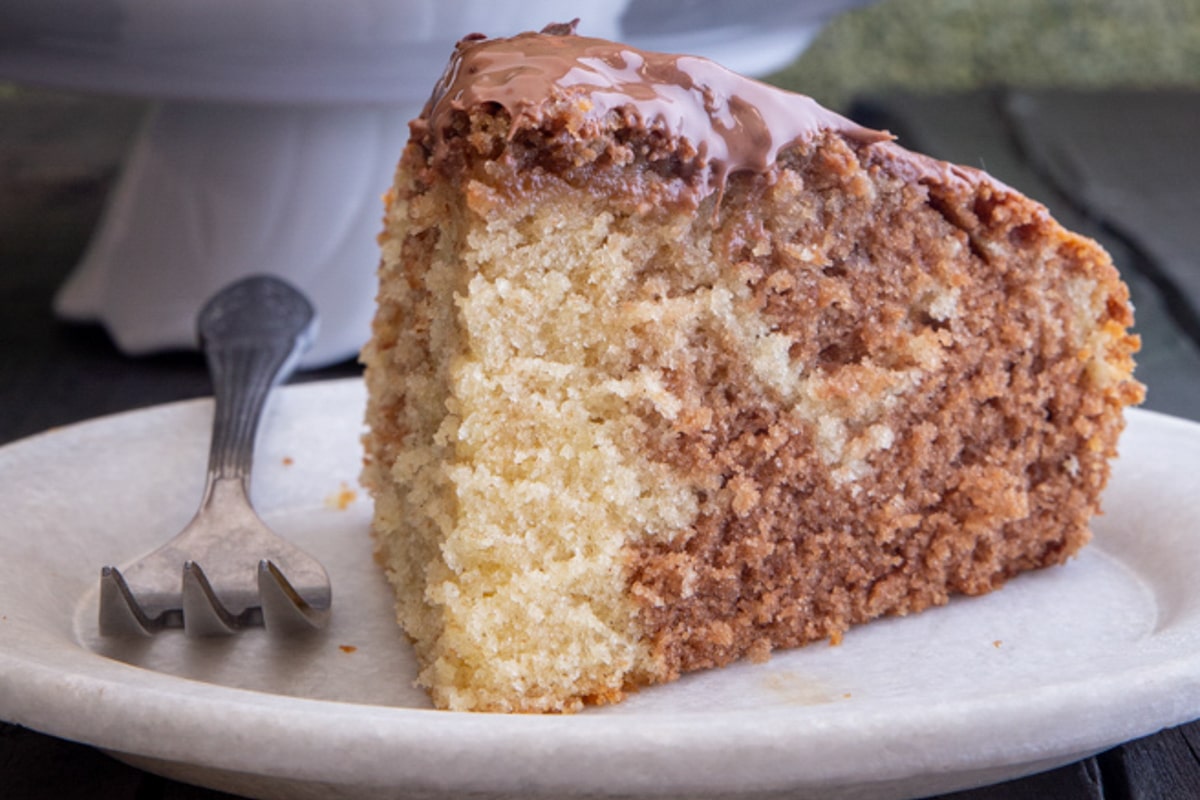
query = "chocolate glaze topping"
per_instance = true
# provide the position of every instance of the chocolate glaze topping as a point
(735, 123)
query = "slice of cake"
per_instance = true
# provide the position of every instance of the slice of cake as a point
(672, 368)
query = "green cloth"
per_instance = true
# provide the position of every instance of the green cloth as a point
(956, 45)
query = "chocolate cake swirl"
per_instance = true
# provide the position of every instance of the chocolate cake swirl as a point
(671, 368)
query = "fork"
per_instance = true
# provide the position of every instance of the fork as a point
(227, 570)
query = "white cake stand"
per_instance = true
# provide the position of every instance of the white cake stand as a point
(276, 126)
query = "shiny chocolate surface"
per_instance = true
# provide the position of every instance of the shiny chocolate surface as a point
(734, 123)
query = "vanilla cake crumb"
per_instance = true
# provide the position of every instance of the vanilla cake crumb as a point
(645, 397)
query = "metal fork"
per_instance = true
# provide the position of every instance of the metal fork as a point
(227, 570)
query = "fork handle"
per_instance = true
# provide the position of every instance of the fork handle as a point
(252, 333)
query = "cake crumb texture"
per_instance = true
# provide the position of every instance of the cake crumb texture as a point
(955, 367)
(625, 423)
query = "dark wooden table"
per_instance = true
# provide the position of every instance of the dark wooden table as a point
(59, 154)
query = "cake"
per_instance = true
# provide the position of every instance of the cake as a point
(671, 368)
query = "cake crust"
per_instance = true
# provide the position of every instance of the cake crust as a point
(672, 368)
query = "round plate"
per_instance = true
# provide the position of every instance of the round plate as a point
(1059, 664)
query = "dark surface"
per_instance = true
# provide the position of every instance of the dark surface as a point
(58, 156)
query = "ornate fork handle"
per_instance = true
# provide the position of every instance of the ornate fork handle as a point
(252, 335)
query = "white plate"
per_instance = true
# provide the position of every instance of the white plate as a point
(1060, 664)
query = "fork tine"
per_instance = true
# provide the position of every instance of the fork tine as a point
(284, 610)
(120, 613)
(203, 613)
(252, 333)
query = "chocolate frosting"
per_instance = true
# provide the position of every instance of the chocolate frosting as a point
(735, 123)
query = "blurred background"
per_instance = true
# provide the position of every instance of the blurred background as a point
(955, 78)
(940, 46)
(1089, 106)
